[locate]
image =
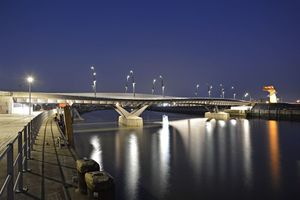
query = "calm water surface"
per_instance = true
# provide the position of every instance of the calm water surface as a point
(185, 157)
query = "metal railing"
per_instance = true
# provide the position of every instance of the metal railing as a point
(17, 162)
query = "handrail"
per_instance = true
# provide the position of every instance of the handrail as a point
(24, 140)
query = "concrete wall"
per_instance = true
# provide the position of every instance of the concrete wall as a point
(6, 104)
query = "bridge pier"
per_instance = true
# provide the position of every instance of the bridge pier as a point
(130, 119)
(217, 115)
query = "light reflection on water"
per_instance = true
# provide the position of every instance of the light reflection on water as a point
(274, 152)
(247, 149)
(216, 158)
(132, 166)
(96, 153)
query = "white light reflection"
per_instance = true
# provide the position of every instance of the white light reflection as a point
(247, 153)
(164, 156)
(222, 123)
(132, 167)
(221, 161)
(233, 122)
(192, 133)
(97, 151)
(210, 152)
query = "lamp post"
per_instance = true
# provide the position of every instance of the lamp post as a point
(246, 95)
(133, 82)
(126, 85)
(162, 86)
(153, 85)
(197, 90)
(209, 88)
(222, 91)
(94, 85)
(234, 94)
(30, 81)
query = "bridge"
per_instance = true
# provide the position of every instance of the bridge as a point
(10, 100)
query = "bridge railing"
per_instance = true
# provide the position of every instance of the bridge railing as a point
(16, 155)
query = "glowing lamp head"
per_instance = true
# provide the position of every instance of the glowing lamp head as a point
(92, 67)
(94, 74)
(30, 79)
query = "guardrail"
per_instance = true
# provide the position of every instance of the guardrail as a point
(17, 163)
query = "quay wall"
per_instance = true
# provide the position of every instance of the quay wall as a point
(275, 111)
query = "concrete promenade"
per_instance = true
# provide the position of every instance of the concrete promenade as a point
(52, 168)
(10, 125)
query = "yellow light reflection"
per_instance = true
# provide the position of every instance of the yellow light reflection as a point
(274, 152)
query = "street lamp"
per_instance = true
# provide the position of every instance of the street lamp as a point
(133, 82)
(246, 95)
(94, 85)
(126, 85)
(222, 91)
(153, 85)
(197, 90)
(209, 88)
(30, 80)
(162, 85)
(234, 94)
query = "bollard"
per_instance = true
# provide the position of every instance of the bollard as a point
(100, 182)
(83, 166)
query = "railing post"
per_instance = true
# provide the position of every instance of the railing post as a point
(10, 171)
(25, 149)
(29, 148)
(20, 163)
(32, 133)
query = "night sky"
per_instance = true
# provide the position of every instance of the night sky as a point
(247, 44)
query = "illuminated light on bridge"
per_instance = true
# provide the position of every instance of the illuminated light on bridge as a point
(233, 122)
(222, 123)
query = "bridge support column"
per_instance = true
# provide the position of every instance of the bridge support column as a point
(131, 119)
(217, 115)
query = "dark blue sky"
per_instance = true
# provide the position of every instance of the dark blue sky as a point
(247, 44)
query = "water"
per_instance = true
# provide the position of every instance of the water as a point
(185, 157)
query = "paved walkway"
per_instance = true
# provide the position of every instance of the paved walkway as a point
(10, 125)
(52, 168)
